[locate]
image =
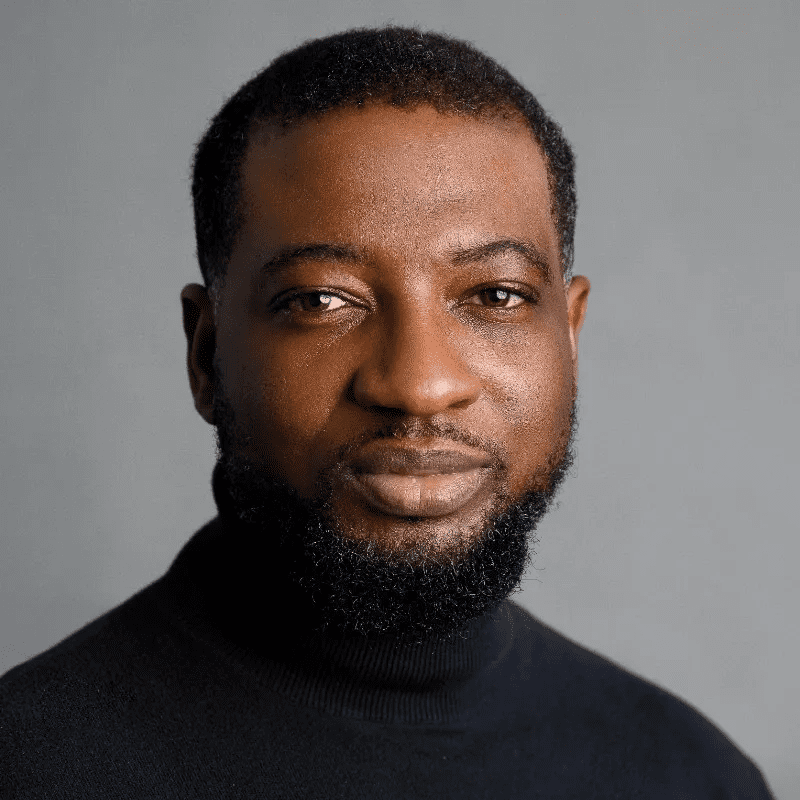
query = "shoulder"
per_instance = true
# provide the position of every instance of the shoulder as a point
(137, 637)
(608, 713)
(59, 686)
(75, 712)
(101, 647)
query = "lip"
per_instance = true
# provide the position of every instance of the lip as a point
(417, 461)
(418, 482)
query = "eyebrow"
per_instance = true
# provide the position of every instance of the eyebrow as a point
(284, 258)
(529, 251)
(310, 252)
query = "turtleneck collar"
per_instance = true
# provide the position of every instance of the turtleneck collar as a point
(233, 595)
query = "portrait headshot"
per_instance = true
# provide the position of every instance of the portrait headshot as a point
(481, 487)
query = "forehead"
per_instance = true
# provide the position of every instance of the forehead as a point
(384, 175)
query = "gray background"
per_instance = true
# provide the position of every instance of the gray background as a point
(674, 550)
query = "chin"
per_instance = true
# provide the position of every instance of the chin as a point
(416, 539)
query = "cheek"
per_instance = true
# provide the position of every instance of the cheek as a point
(536, 402)
(287, 397)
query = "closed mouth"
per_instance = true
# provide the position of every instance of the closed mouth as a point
(418, 482)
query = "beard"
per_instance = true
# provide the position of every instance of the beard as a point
(357, 587)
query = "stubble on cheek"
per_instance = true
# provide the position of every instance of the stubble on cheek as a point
(255, 424)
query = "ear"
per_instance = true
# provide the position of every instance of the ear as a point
(577, 298)
(201, 341)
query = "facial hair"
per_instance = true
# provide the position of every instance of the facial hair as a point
(360, 589)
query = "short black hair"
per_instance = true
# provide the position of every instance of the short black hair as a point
(403, 67)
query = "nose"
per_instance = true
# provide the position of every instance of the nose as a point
(413, 367)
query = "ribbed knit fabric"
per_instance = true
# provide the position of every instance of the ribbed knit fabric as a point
(209, 684)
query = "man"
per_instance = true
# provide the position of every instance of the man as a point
(386, 342)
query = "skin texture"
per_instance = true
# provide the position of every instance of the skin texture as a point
(408, 333)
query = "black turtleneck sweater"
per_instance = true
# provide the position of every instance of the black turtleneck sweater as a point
(208, 684)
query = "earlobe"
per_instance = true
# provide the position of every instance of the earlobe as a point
(200, 329)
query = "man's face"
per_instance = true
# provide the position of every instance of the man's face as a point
(394, 338)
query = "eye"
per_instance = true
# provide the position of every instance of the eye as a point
(498, 297)
(314, 302)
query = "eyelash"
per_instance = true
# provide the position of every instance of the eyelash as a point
(526, 296)
(282, 304)
(529, 297)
